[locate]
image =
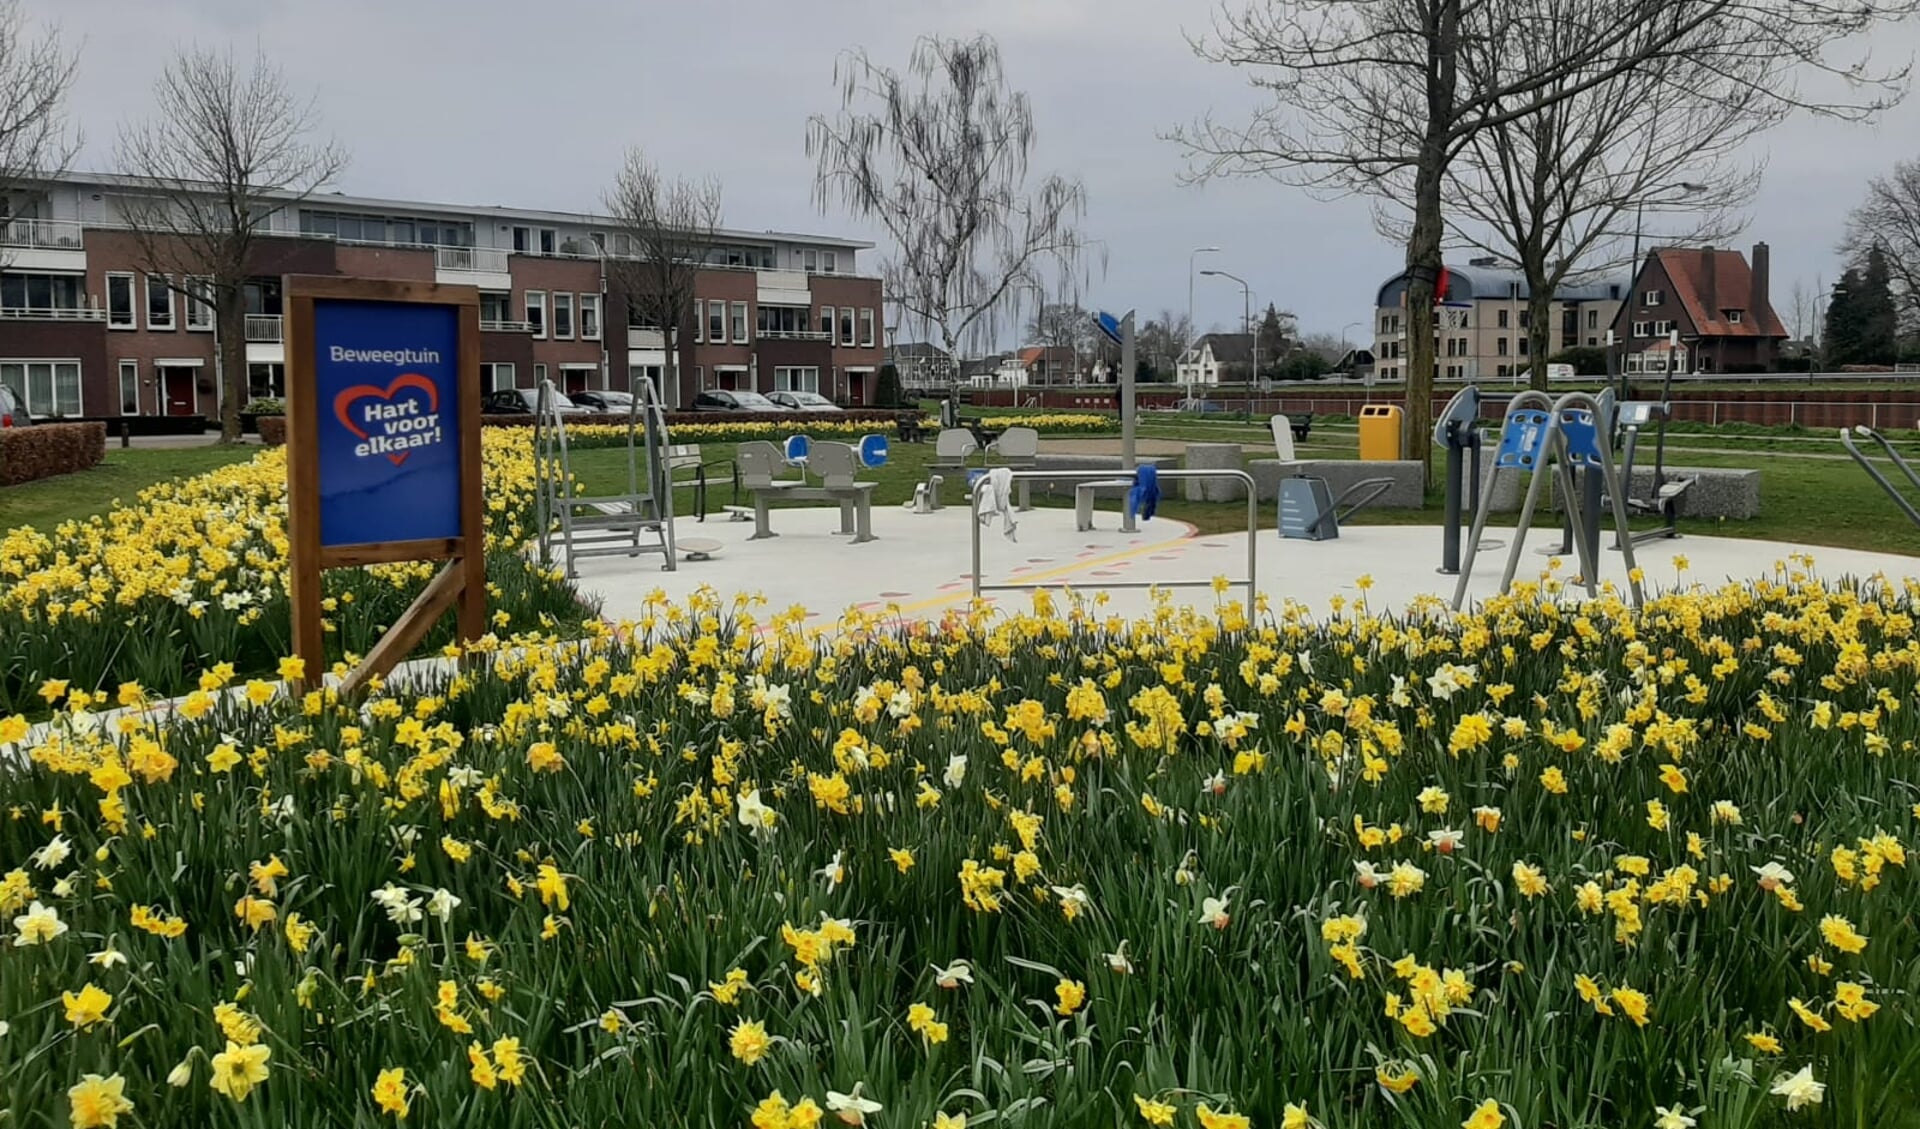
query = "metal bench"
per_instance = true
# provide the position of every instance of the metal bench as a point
(834, 463)
(686, 456)
(1083, 502)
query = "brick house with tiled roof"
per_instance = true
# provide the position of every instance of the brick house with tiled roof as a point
(1713, 299)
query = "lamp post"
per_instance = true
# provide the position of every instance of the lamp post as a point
(1246, 300)
(1187, 344)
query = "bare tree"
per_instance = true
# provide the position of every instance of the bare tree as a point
(664, 230)
(1363, 92)
(35, 143)
(1161, 341)
(228, 148)
(1889, 218)
(1065, 325)
(939, 158)
(1804, 312)
(1564, 192)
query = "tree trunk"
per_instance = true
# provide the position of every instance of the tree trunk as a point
(1539, 334)
(231, 313)
(1424, 261)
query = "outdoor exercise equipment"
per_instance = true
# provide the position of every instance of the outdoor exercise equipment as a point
(1663, 502)
(1310, 512)
(1847, 437)
(1539, 436)
(1458, 431)
(1591, 500)
(640, 520)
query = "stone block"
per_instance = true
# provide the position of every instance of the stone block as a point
(1213, 456)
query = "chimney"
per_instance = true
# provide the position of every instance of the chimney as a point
(1710, 282)
(1758, 302)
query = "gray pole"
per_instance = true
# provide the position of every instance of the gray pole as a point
(1127, 414)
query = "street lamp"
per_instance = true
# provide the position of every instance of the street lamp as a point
(1188, 342)
(1246, 299)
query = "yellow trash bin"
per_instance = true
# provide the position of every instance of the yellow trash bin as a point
(1380, 432)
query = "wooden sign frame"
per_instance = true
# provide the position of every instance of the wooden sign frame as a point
(463, 582)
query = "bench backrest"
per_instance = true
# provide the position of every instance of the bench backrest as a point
(1019, 444)
(955, 443)
(1283, 438)
(757, 460)
(683, 455)
(834, 463)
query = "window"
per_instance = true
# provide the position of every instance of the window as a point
(1633, 362)
(539, 375)
(739, 323)
(717, 323)
(523, 239)
(537, 312)
(1505, 370)
(826, 321)
(1523, 346)
(495, 307)
(129, 388)
(120, 301)
(1592, 342)
(47, 388)
(810, 259)
(159, 302)
(1500, 347)
(1640, 329)
(866, 328)
(796, 380)
(1502, 319)
(200, 304)
(547, 238)
(1733, 316)
(495, 376)
(266, 381)
(1526, 318)
(41, 292)
(828, 262)
(1652, 297)
(1593, 319)
(590, 317)
(846, 325)
(562, 314)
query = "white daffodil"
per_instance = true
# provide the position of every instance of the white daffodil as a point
(956, 770)
(851, 1108)
(1445, 840)
(1213, 911)
(755, 815)
(401, 908)
(1773, 876)
(954, 975)
(1670, 1117)
(37, 926)
(1800, 1089)
(53, 854)
(442, 905)
(107, 957)
(835, 872)
(1117, 961)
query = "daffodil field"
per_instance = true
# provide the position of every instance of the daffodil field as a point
(1536, 867)
(192, 575)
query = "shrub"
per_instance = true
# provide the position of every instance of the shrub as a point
(29, 453)
(266, 406)
(273, 430)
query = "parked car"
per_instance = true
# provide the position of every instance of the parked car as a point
(614, 403)
(525, 402)
(723, 401)
(1202, 407)
(13, 410)
(804, 402)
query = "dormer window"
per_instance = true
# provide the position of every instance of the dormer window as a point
(1732, 316)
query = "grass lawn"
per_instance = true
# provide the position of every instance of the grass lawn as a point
(123, 474)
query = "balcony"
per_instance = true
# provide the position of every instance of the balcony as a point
(793, 335)
(488, 325)
(264, 328)
(52, 313)
(43, 245)
(484, 267)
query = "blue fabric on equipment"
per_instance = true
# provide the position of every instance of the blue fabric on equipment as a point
(1144, 498)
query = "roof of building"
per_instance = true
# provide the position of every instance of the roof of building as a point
(1686, 269)
(1051, 354)
(1478, 281)
(482, 211)
(913, 350)
(1228, 348)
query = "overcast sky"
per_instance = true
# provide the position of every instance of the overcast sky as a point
(530, 104)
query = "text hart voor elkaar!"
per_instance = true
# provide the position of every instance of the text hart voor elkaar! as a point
(404, 426)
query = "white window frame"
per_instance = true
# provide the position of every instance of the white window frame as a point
(539, 375)
(133, 308)
(829, 314)
(35, 407)
(796, 378)
(562, 300)
(866, 327)
(717, 322)
(846, 326)
(739, 315)
(129, 369)
(810, 260)
(1733, 317)
(589, 306)
(537, 304)
(492, 371)
(199, 302)
(146, 292)
(1649, 298)
(829, 262)
(699, 321)
(1640, 329)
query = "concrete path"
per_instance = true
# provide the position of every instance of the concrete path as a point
(920, 565)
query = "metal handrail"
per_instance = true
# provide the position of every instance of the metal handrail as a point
(1859, 456)
(1240, 476)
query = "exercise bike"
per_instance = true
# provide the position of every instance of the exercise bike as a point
(1631, 417)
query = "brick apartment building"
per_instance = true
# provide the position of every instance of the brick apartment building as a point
(84, 334)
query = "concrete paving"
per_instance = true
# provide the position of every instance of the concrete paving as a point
(920, 567)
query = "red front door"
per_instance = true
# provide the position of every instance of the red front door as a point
(182, 397)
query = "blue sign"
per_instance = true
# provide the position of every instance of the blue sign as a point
(1109, 325)
(387, 393)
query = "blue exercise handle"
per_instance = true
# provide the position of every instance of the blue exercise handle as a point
(873, 451)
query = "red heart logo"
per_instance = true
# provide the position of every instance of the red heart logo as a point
(344, 402)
